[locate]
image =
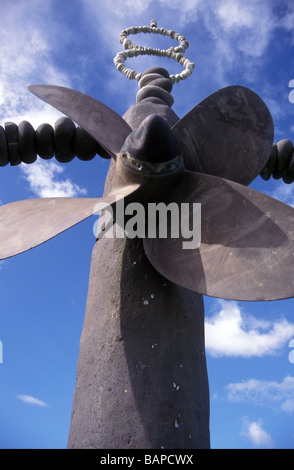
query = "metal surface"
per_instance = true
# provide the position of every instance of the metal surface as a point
(106, 126)
(229, 134)
(29, 223)
(246, 250)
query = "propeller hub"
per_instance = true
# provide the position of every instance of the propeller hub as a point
(152, 148)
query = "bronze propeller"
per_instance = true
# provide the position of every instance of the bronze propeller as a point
(209, 157)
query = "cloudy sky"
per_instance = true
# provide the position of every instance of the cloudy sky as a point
(43, 292)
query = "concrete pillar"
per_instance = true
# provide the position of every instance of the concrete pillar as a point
(141, 376)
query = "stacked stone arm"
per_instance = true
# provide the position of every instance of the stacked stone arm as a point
(22, 143)
(280, 163)
(65, 141)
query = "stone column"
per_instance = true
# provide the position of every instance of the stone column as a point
(141, 376)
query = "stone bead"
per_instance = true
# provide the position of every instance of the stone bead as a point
(85, 147)
(102, 152)
(164, 83)
(289, 175)
(150, 77)
(64, 139)
(11, 131)
(267, 172)
(45, 141)
(159, 70)
(284, 148)
(3, 148)
(26, 142)
(155, 91)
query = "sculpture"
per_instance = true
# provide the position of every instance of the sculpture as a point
(141, 380)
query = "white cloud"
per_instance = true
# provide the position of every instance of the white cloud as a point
(232, 332)
(239, 33)
(284, 192)
(276, 395)
(251, 23)
(126, 7)
(26, 58)
(256, 434)
(187, 11)
(286, 21)
(29, 400)
(29, 40)
(235, 15)
(44, 180)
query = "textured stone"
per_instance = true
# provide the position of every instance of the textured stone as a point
(85, 147)
(157, 92)
(159, 70)
(45, 141)
(11, 131)
(164, 83)
(284, 149)
(141, 374)
(27, 142)
(64, 140)
(288, 177)
(3, 148)
(267, 171)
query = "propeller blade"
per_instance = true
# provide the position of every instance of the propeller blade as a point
(31, 222)
(107, 127)
(229, 134)
(247, 242)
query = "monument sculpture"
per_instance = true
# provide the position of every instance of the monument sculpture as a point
(141, 374)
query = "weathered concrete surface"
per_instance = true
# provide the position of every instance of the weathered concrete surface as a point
(141, 377)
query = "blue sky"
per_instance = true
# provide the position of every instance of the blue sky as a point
(43, 292)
